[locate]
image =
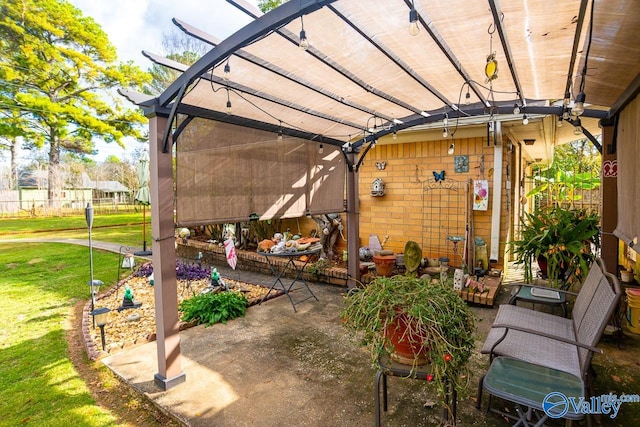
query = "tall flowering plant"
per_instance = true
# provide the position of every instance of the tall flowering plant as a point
(558, 237)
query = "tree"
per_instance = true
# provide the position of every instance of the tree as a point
(57, 75)
(574, 172)
(267, 5)
(178, 47)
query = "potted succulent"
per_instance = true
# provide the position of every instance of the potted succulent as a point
(558, 239)
(440, 326)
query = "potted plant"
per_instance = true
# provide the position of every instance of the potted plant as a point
(557, 238)
(440, 326)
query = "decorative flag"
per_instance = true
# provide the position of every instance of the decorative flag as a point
(230, 250)
(480, 195)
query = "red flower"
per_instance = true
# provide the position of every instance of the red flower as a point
(447, 357)
(429, 377)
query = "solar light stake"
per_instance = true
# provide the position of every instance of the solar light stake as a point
(88, 214)
(101, 317)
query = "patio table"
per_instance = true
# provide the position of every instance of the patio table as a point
(278, 270)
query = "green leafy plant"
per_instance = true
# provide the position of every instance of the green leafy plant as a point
(319, 267)
(565, 238)
(440, 325)
(211, 308)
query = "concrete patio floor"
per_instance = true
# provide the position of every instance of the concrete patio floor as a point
(276, 367)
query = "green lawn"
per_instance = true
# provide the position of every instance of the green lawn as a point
(39, 285)
(119, 228)
(38, 383)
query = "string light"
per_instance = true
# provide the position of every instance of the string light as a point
(452, 148)
(321, 148)
(578, 105)
(227, 72)
(559, 122)
(304, 43)
(414, 28)
(577, 127)
(228, 102)
(467, 97)
(280, 137)
(516, 108)
(525, 120)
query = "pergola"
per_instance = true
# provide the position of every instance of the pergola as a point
(340, 74)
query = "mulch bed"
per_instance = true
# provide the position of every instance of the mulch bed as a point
(135, 326)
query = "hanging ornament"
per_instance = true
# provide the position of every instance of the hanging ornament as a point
(491, 68)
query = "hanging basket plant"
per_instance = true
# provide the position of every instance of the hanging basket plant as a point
(440, 328)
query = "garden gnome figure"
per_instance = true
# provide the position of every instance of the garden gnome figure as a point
(216, 280)
(128, 301)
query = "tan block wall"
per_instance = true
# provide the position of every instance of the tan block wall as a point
(406, 213)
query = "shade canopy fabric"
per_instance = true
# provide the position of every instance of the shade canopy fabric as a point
(628, 176)
(364, 72)
(229, 173)
(364, 76)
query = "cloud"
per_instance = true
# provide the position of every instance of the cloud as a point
(133, 26)
(136, 25)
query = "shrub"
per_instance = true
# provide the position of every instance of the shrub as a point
(211, 308)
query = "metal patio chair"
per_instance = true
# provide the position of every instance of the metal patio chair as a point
(542, 342)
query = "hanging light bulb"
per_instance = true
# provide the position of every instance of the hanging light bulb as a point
(567, 99)
(525, 120)
(559, 122)
(565, 114)
(414, 28)
(228, 103)
(452, 148)
(321, 148)
(578, 105)
(516, 108)
(445, 121)
(395, 134)
(373, 143)
(577, 127)
(304, 43)
(445, 133)
(467, 97)
(227, 71)
(280, 137)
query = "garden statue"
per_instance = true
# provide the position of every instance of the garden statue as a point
(330, 226)
(216, 280)
(128, 301)
(458, 279)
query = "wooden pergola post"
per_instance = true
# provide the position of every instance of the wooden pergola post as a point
(170, 372)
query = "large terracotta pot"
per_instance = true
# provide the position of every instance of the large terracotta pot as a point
(384, 264)
(407, 348)
(543, 265)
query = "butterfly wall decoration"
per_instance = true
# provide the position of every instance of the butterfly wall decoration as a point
(438, 176)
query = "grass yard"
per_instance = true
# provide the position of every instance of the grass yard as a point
(125, 229)
(41, 285)
(38, 383)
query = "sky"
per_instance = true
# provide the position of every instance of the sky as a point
(136, 25)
